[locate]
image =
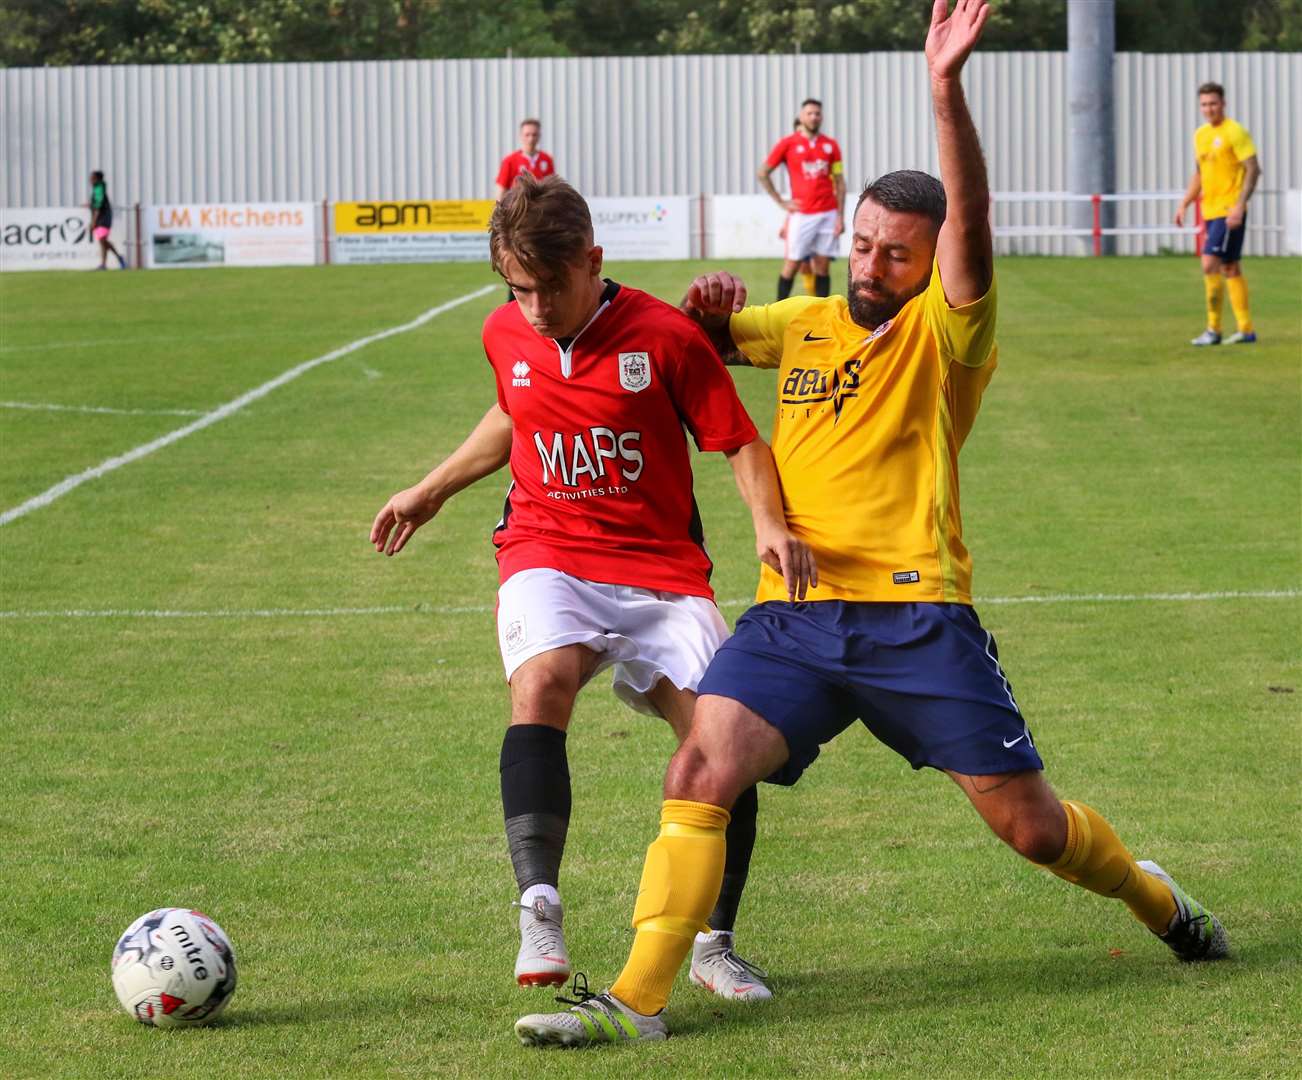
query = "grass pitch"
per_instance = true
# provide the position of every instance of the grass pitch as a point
(176, 728)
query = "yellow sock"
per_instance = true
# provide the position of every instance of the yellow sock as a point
(1238, 289)
(680, 883)
(1096, 859)
(1214, 284)
(809, 283)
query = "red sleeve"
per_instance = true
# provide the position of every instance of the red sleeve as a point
(551, 163)
(836, 150)
(778, 154)
(504, 175)
(706, 397)
(488, 336)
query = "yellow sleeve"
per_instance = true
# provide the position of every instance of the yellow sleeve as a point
(758, 331)
(1241, 143)
(965, 335)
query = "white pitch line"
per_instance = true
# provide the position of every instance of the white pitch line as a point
(48, 407)
(230, 408)
(484, 609)
(1128, 598)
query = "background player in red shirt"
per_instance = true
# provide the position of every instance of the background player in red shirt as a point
(817, 203)
(528, 160)
(600, 549)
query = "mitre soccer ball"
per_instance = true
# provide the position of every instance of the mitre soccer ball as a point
(174, 968)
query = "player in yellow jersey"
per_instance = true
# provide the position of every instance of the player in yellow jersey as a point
(876, 393)
(1225, 176)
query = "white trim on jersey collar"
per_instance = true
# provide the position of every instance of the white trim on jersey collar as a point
(567, 355)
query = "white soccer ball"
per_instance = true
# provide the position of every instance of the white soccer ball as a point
(174, 968)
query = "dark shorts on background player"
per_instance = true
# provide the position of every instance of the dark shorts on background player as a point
(1225, 244)
(924, 679)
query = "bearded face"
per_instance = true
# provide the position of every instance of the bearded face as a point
(890, 262)
(873, 301)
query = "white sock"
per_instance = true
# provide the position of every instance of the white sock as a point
(713, 935)
(547, 892)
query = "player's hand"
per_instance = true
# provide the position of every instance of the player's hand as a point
(839, 227)
(401, 516)
(790, 206)
(789, 556)
(1234, 218)
(952, 37)
(716, 294)
(1179, 217)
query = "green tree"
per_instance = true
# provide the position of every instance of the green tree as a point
(62, 32)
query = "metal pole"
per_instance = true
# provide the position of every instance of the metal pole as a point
(1091, 146)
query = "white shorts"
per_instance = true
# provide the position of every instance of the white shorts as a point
(811, 234)
(645, 635)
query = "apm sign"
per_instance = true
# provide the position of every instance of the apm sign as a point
(412, 231)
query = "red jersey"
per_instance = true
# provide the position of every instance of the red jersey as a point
(539, 165)
(811, 164)
(601, 478)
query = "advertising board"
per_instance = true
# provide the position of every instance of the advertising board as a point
(654, 227)
(412, 231)
(229, 234)
(56, 238)
(747, 227)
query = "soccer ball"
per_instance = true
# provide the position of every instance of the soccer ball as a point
(174, 968)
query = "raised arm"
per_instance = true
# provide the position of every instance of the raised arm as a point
(964, 250)
(757, 480)
(484, 451)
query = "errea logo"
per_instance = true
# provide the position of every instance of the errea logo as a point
(520, 371)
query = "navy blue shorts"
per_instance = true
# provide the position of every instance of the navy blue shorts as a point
(1225, 244)
(924, 679)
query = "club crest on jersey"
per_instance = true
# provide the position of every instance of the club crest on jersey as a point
(634, 371)
(520, 373)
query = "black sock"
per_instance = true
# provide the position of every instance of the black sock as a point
(822, 284)
(535, 801)
(736, 863)
(784, 287)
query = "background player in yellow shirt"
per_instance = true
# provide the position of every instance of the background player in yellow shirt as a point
(1225, 175)
(876, 393)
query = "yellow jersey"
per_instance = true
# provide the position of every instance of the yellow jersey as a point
(1221, 152)
(866, 437)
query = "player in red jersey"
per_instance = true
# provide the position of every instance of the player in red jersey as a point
(600, 549)
(528, 160)
(817, 203)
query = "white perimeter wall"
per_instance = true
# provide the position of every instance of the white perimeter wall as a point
(621, 126)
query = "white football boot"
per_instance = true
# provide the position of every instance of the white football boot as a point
(717, 967)
(542, 960)
(591, 1020)
(1195, 933)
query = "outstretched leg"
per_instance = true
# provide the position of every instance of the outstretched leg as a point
(1077, 844)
